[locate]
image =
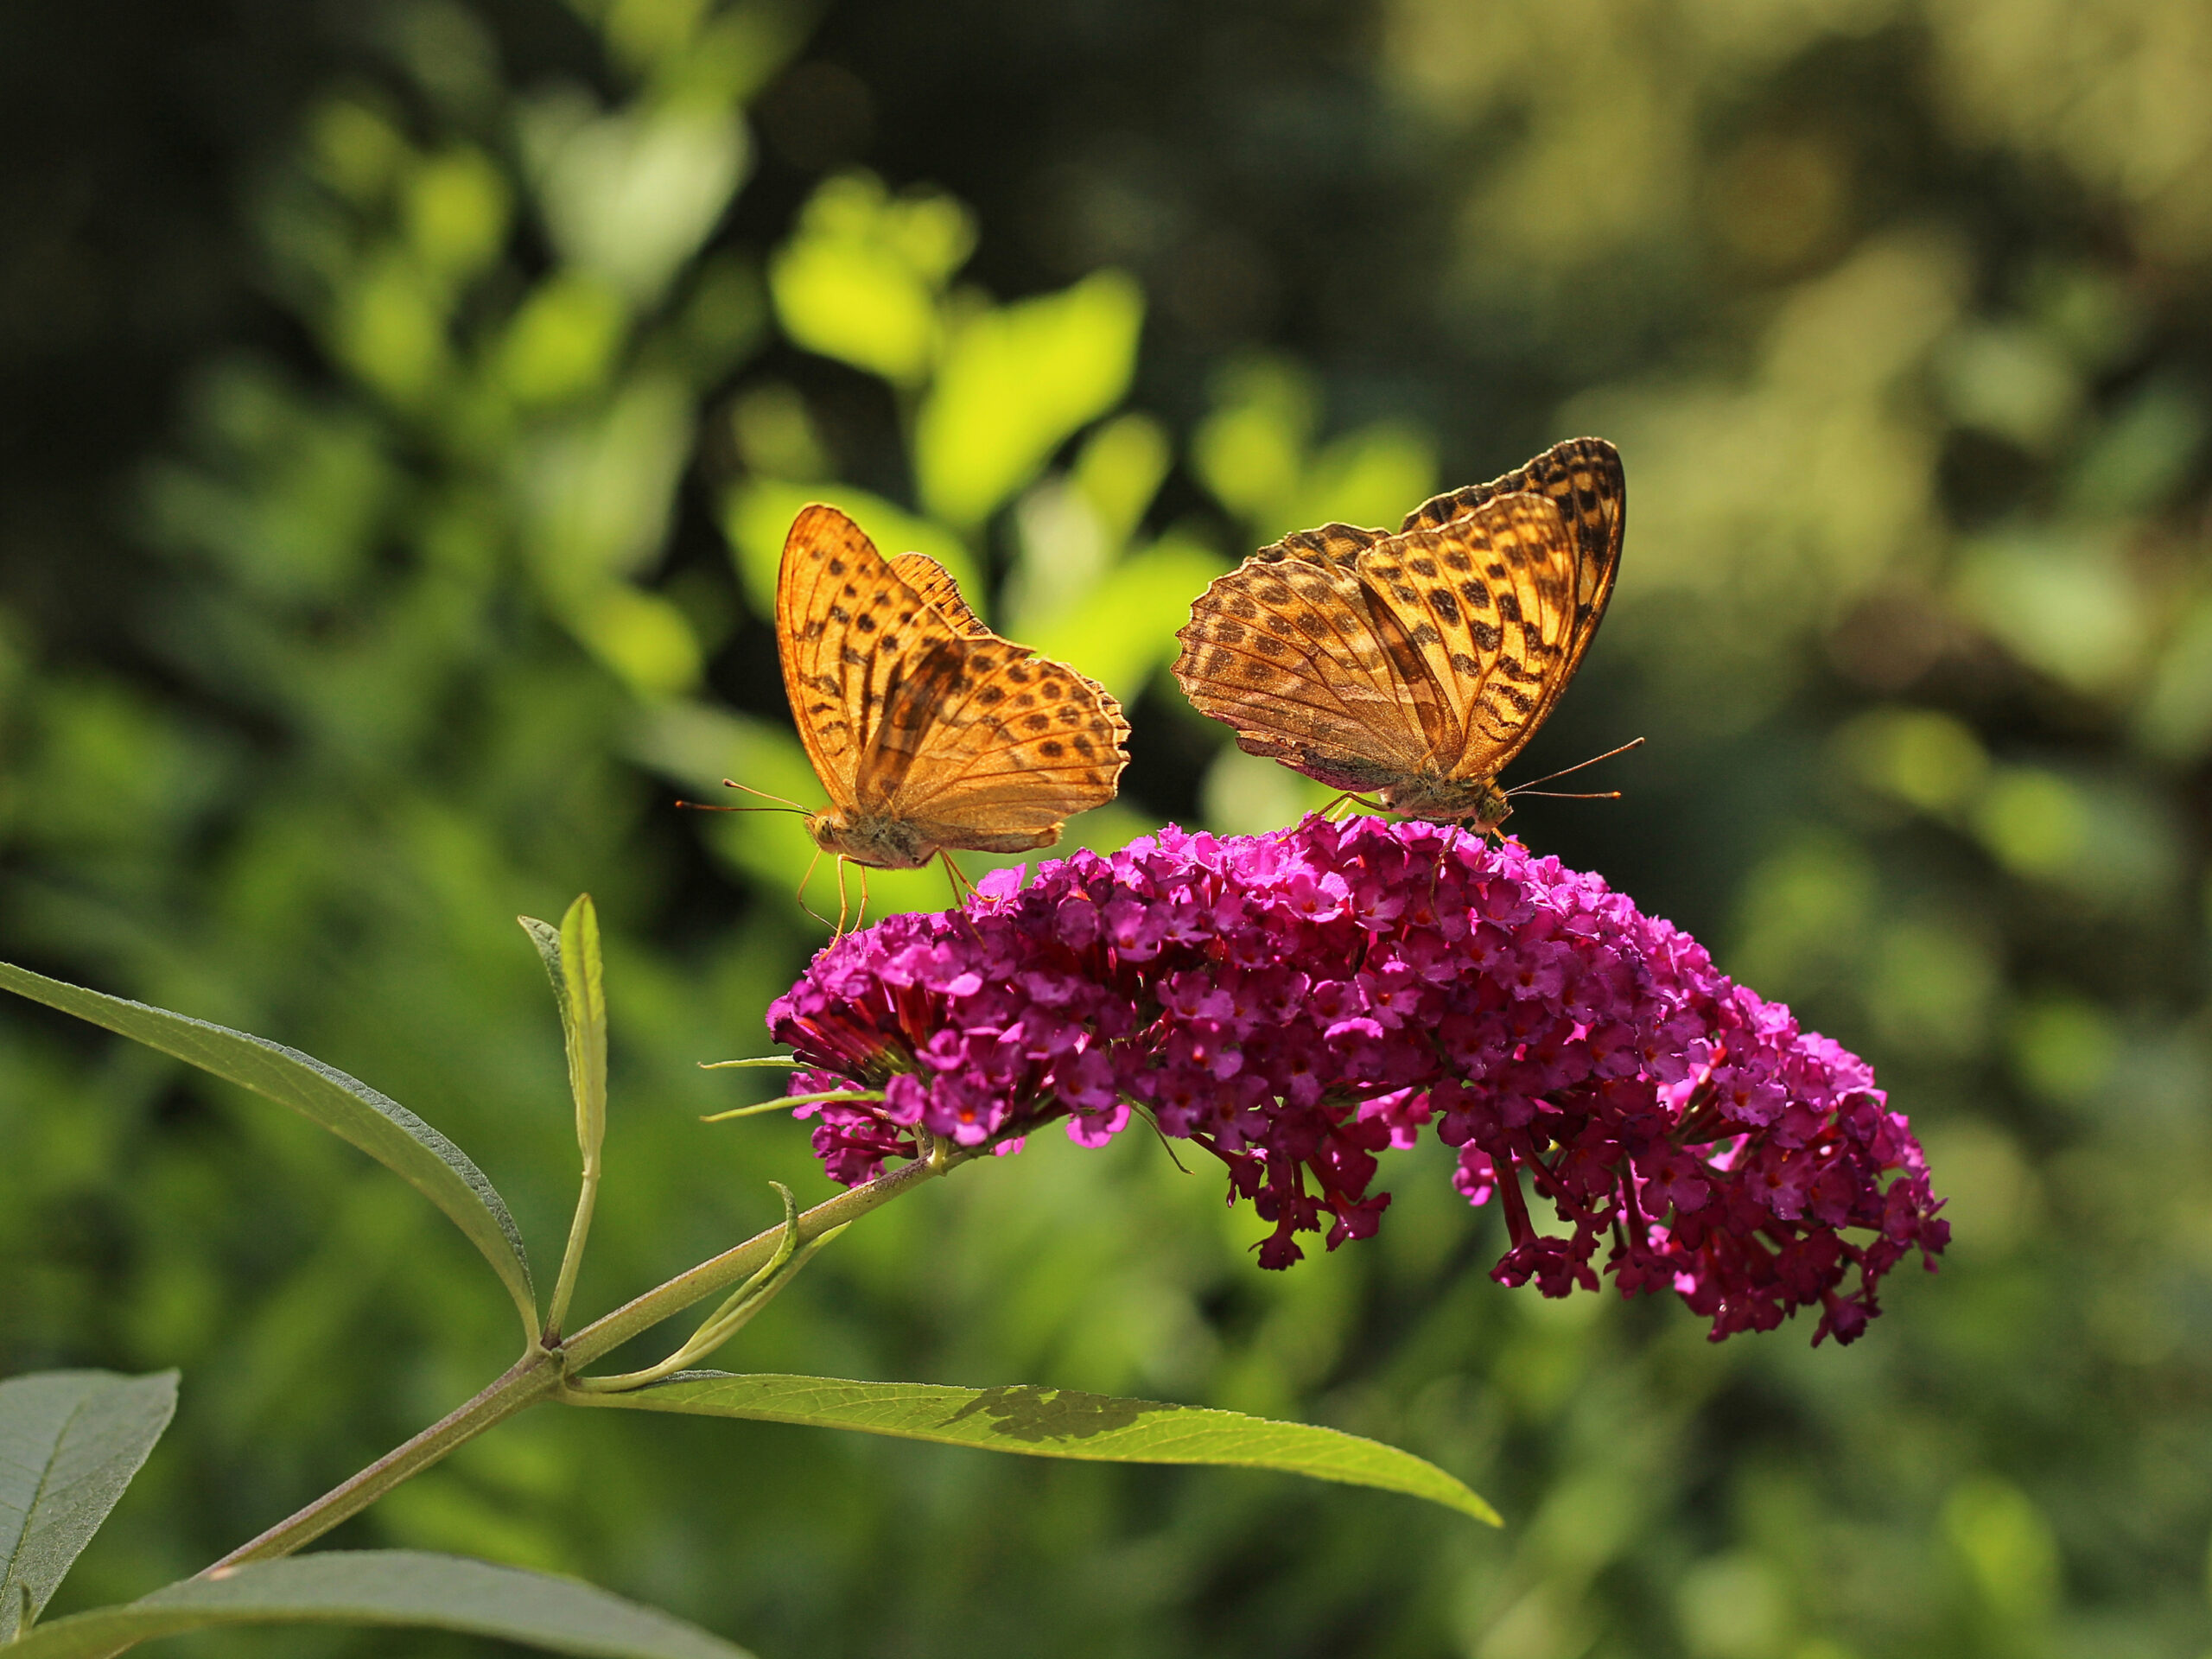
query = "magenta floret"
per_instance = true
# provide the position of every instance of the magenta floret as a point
(1297, 1002)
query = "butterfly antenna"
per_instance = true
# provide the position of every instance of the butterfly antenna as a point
(703, 806)
(1528, 787)
(731, 782)
(1558, 795)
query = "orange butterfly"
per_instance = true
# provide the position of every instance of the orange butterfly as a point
(927, 730)
(1416, 666)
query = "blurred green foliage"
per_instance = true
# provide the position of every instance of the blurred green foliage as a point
(403, 416)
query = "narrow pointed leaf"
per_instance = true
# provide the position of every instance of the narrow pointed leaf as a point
(394, 1587)
(586, 1006)
(349, 1109)
(1056, 1423)
(70, 1442)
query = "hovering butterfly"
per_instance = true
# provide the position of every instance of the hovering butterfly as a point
(928, 731)
(1415, 666)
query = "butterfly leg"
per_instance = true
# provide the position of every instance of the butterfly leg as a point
(801, 894)
(956, 877)
(1348, 799)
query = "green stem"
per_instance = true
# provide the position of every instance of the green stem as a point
(528, 1380)
(565, 1288)
(540, 1373)
(605, 1334)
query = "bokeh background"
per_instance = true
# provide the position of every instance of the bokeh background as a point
(400, 407)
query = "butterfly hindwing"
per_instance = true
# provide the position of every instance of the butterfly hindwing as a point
(935, 584)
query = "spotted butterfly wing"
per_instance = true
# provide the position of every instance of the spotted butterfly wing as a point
(927, 730)
(935, 584)
(1415, 666)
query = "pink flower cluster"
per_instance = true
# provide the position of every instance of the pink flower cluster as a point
(1297, 1002)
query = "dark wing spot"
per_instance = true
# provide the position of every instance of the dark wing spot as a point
(1270, 645)
(1421, 567)
(851, 592)
(983, 662)
(866, 624)
(1085, 748)
(1274, 592)
(1241, 605)
(1036, 723)
(1486, 637)
(1475, 593)
(1465, 664)
(850, 658)
(1403, 592)
(1052, 749)
(1441, 601)
(1229, 633)
(837, 567)
(1494, 571)
(1508, 607)
(813, 628)
(990, 695)
(839, 613)
(1425, 633)
(1455, 560)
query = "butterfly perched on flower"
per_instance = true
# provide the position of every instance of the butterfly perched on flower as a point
(1414, 666)
(927, 730)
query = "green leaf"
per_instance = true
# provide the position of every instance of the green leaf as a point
(860, 281)
(349, 1109)
(1015, 383)
(1126, 624)
(757, 517)
(1055, 1423)
(70, 1442)
(392, 1587)
(583, 1011)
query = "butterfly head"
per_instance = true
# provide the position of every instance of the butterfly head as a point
(886, 843)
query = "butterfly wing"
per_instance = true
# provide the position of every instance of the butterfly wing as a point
(935, 584)
(1285, 650)
(1009, 745)
(910, 711)
(1583, 477)
(1483, 606)
(850, 632)
(1361, 658)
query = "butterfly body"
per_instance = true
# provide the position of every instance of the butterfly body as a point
(928, 731)
(1414, 666)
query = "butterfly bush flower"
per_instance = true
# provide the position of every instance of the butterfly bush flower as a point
(1298, 1003)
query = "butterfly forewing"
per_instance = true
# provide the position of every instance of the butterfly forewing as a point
(1583, 476)
(917, 716)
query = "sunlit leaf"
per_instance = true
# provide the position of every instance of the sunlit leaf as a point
(350, 1109)
(1124, 627)
(1056, 1423)
(859, 280)
(1016, 381)
(70, 1442)
(630, 197)
(395, 1588)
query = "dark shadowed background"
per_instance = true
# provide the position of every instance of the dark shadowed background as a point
(400, 407)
